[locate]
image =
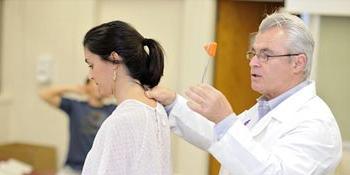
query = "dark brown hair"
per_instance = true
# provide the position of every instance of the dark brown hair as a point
(120, 37)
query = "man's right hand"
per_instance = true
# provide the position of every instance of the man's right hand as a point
(163, 95)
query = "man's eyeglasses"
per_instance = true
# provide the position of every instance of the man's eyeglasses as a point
(263, 57)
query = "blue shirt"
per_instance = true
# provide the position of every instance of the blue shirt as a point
(84, 122)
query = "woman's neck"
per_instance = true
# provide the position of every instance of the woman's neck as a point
(128, 88)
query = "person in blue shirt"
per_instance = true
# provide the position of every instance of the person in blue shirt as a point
(85, 118)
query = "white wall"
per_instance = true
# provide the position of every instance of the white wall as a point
(158, 19)
(319, 7)
(332, 76)
(4, 118)
(32, 28)
(36, 27)
(333, 68)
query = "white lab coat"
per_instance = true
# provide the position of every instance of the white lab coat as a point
(299, 136)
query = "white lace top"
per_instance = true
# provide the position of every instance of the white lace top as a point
(134, 140)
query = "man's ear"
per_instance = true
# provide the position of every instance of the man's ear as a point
(299, 63)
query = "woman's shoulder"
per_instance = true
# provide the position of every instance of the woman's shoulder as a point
(128, 112)
(131, 112)
(135, 105)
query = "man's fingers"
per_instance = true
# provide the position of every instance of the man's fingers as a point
(162, 95)
(206, 91)
(155, 93)
(150, 94)
(199, 91)
(209, 90)
(194, 106)
(193, 96)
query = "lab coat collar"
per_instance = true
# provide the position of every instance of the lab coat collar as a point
(285, 109)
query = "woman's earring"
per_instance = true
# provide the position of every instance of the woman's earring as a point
(114, 75)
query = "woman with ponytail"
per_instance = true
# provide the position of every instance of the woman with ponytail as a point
(135, 139)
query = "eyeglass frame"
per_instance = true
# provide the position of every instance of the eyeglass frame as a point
(266, 59)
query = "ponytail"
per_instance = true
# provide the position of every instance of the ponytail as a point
(155, 63)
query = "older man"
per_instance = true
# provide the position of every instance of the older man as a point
(289, 131)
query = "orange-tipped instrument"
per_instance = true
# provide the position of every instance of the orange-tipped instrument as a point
(210, 48)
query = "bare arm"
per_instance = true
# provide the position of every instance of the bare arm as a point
(53, 95)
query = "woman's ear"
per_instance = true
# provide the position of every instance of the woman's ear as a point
(115, 56)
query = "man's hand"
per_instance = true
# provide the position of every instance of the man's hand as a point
(209, 102)
(162, 95)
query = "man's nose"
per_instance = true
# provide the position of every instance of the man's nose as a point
(254, 61)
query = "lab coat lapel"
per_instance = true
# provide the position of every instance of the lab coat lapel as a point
(252, 114)
(261, 125)
(283, 111)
